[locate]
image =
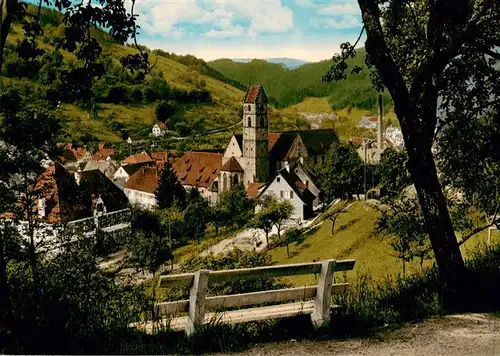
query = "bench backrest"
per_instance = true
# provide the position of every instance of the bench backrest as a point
(198, 281)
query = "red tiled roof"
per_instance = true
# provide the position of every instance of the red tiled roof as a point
(252, 94)
(103, 152)
(138, 158)
(77, 152)
(144, 180)
(63, 199)
(198, 168)
(253, 190)
(162, 125)
(232, 165)
(356, 140)
(373, 118)
(273, 138)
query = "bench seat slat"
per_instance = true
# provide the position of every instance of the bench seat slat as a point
(241, 315)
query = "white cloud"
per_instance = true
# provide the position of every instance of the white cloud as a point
(338, 8)
(338, 22)
(222, 17)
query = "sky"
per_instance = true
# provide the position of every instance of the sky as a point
(310, 30)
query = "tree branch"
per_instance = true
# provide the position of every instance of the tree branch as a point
(481, 228)
(380, 54)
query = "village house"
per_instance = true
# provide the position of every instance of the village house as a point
(395, 136)
(159, 129)
(108, 168)
(103, 153)
(142, 157)
(199, 170)
(286, 185)
(253, 159)
(141, 186)
(368, 122)
(124, 173)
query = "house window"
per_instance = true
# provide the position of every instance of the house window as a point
(270, 192)
(291, 194)
(278, 179)
(282, 194)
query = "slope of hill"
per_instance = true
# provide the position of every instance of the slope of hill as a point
(290, 63)
(112, 119)
(288, 87)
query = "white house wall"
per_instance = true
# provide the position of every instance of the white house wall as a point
(121, 174)
(232, 150)
(146, 200)
(275, 188)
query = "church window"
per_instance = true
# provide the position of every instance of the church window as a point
(262, 122)
(235, 180)
(249, 121)
(224, 183)
(249, 108)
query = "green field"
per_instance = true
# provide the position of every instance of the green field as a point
(355, 238)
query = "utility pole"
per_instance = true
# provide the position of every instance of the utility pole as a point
(364, 180)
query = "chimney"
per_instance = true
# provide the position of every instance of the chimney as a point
(287, 166)
(380, 124)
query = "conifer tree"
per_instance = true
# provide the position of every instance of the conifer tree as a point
(169, 191)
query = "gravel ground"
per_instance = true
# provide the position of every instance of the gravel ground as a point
(457, 335)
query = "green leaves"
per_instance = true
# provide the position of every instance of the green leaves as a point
(342, 173)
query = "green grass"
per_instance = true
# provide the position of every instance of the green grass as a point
(355, 238)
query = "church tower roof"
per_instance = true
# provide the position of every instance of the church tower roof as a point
(253, 93)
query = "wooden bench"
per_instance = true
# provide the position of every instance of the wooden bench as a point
(315, 300)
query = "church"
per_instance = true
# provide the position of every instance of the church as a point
(272, 163)
(276, 163)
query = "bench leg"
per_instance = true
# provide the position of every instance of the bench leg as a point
(323, 300)
(196, 314)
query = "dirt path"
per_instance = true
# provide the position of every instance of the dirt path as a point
(457, 335)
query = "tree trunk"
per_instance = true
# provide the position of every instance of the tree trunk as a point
(287, 251)
(267, 238)
(438, 222)
(5, 305)
(333, 224)
(8, 8)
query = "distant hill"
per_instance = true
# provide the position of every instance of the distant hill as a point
(288, 87)
(290, 63)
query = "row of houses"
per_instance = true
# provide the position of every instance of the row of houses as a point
(81, 183)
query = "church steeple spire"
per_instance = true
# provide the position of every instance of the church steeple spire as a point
(255, 134)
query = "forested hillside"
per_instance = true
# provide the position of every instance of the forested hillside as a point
(119, 104)
(288, 87)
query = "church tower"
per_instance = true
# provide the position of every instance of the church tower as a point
(255, 135)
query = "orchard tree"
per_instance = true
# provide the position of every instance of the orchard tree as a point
(197, 215)
(335, 211)
(393, 173)
(236, 206)
(430, 55)
(292, 235)
(282, 211)
(403, 219)
(469, 160)
(169, 191)
(342, 173)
